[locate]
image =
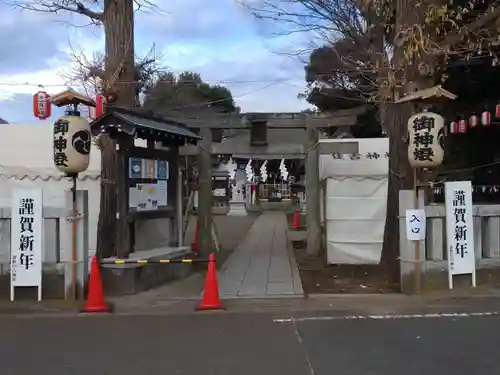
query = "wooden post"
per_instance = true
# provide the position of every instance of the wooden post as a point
(68, 243)
(173, 192)
(179, 214)
(418, 265)
(312, 191)
(205, 243)
(123, 238)
(74, 239)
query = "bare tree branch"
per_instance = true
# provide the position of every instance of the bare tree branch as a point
(84, 72)
(147, 6)
(454, 38)
(46, 6)
(330, 20)
(88, 72)
(344, 67)
(92, 9)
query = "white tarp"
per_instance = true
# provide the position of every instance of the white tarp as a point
(355, 203)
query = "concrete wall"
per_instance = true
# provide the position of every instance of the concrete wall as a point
(434, 261)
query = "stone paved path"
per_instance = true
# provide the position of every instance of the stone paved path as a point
(262, 265)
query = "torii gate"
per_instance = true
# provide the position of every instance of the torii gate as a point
(258, 123)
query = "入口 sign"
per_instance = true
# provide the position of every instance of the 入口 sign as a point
(415, 225)
(26, 239)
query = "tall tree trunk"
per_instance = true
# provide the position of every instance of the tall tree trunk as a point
(112, 228)
(395, 116)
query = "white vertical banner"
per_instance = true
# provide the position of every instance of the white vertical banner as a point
(26, 239)
(459, 230)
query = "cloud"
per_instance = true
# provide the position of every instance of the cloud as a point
(259, 79)
(49, 80)
(23, 48)
(190, 20)
(217, 39)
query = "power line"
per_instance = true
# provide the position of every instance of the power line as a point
(209, 103)
(333, 73)
(269, 83)
(159, 82)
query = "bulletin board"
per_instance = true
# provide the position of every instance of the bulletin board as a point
(148, 184)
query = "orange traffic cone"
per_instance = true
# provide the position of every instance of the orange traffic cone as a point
(211, 300)
(194, 244)
(95, 298)
(296, 220)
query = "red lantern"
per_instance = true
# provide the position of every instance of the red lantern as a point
(462, 126)
(453, 127)
(486, 118)
(473, 121)
(41, 105)
(99, 105)
(497, 111)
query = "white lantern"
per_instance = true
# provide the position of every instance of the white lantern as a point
(462, 126)
(426, 133)
(486, 118)
(473, 121)
(72, 143)
(454, 127)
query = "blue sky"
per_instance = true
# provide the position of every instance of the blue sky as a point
(217, 39)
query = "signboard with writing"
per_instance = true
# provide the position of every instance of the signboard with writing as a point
(149, 168)
(135, 167)
(162, 171)
(148, 197)
(459, 229)
(26, 239)
(148, 185)
(426, 133)
(415, 225)
(364, 156)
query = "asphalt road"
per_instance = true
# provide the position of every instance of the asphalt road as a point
(247, 344)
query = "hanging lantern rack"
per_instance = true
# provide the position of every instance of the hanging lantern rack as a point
(460, 124)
